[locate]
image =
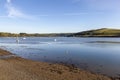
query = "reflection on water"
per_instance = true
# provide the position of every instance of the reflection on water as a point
(100, 55)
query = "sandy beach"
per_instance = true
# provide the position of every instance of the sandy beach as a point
(16, 68)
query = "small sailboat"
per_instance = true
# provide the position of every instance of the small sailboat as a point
(17, 40)
(55, 40)
(24, 38)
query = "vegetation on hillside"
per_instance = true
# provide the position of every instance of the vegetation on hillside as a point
(104, 32)
(3, 34)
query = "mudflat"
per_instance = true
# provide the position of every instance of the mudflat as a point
(16, 68)
(4, 52)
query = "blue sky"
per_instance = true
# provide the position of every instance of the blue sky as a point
(58, 16)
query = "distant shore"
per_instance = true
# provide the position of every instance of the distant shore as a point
(16, 68)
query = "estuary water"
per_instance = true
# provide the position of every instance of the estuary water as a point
(98, 55)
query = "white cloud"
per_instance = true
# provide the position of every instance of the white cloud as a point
(75, 14)
(8, 1)
(3, 16)
(13, 11)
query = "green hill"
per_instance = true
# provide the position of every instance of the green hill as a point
(104, 32)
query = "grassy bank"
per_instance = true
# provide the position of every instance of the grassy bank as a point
(104, 32)
(16, 68)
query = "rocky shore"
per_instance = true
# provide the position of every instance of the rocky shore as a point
(16, 68)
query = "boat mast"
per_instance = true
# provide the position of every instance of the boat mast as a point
(17, 39)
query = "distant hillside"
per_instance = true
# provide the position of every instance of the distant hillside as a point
(5, 34)
(104, 32)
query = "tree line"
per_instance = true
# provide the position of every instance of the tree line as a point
(4, 34)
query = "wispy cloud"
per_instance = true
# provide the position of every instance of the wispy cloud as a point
(3, 16)
(75, 14)
(13, 11)
(41, 15)
(100, 4)
(82, 13)
(9, 1)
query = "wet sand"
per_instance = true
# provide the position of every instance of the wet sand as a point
(4, 52)
(16, 68)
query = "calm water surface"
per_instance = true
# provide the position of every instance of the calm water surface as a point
(99, 55)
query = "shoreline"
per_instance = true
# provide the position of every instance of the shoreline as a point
(17, 68)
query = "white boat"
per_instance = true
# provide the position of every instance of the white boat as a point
(17, 40)
(24, 38)
(55, 40)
